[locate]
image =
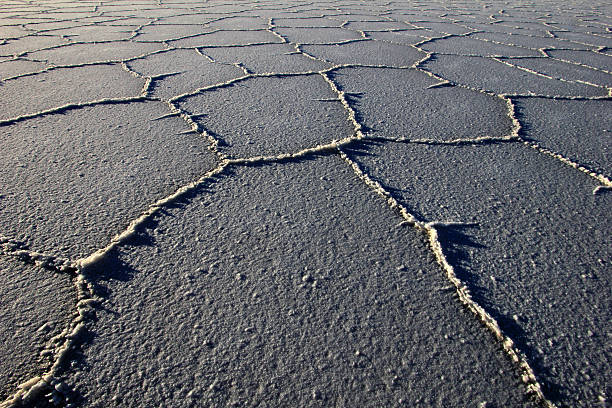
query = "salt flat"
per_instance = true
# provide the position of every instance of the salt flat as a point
(332, 203)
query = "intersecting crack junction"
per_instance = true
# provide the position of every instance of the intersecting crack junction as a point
(328, 203)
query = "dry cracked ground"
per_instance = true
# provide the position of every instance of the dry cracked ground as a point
(328, 203)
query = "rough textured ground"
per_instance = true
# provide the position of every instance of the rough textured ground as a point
(332, 203)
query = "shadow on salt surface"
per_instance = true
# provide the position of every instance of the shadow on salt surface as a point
(354, 100)
(111, 267)
(457, 243)
(223, 335)
(552, 124)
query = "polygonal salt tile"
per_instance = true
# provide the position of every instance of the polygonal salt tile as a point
(130, 21)
(407, 108)
(238, 23)
(367, 53)
(318, 35)
(295, 286)
(297, 22)
(71, 181)
(100, 52)
(30, 43)
(275, 13)
(524, 23)
(62, 15)
(578, 129)
(63, 86)
(493, 76)
(96, 33)
(93, 19)
(563, 70)
(189, 71)
(52, 25)
(229, 37)
(354, 16)
(7, 32)
(279, 58)
(271, 115)
(84, 9)
(227, 9)
(16, 67)
(578, 26)
(505, 29)
(377, 25)
(191, 18)
(146, 12)
(590, 39)
(167, 32)
(16, 20)
(529, 41)
(471, 46)
(443, 27)
(588, 58)
(407, 37)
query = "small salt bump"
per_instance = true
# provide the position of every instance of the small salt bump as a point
(61, 387)
(45, 327)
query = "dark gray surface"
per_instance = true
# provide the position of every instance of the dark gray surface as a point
(443, 27)
(318, 35)
(269, 116)
(472, 46)
(280, 58)
(230, 37)
(367, 53)
(81, 53)
(580, 130)
(529, 41)
(407, 37)
(563, 70)
(492, 76)
(407, 108)
(164, 32)
(73, 180)
(591, 59)
(64, 86)
(182, 71)
(291, 281)
(597, 40)
(534, 249)
(35, 305)
(278, 301)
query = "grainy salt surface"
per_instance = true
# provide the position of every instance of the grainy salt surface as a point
(333, 203)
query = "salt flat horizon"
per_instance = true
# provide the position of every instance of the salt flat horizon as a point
(278, 203)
